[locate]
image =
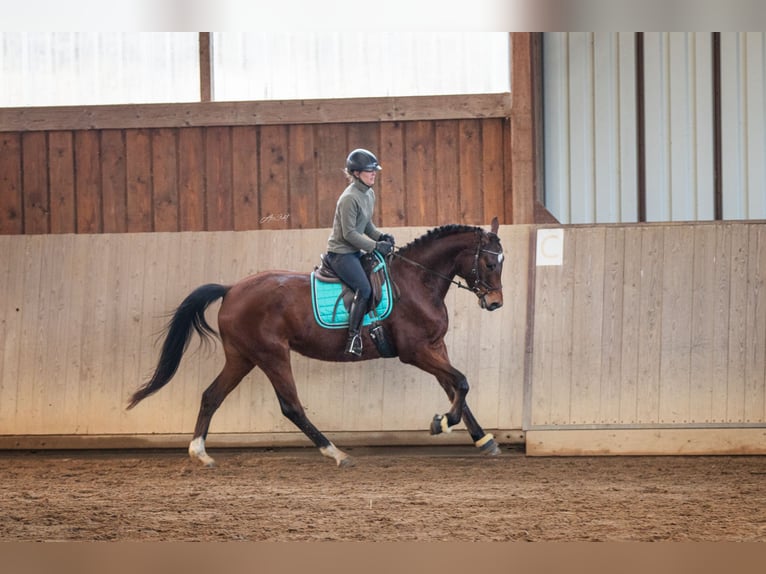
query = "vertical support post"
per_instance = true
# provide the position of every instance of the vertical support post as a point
(525, 204)
(205, 68)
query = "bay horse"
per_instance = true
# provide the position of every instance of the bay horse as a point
(265, 316)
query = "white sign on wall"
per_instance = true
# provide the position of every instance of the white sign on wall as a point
(550, 247)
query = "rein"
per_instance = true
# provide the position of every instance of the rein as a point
(478, 283)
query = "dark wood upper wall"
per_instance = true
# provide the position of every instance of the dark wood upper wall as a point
(246, 177)
(273, 165)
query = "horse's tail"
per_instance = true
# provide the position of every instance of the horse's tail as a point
(189, 315)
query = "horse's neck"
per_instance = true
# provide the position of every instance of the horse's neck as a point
(441, 256)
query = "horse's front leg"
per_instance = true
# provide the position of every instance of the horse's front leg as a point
(484, 441)
(435, 360)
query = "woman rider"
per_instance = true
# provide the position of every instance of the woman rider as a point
(354, 233)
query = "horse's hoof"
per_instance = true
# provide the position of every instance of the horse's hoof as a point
(488, 446)
(436, 425)
(491, 449)
(347, 462)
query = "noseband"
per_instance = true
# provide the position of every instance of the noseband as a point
(480, 287)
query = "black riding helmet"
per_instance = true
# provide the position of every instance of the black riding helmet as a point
(362, 160)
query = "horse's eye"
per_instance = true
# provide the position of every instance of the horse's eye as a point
(491, 266)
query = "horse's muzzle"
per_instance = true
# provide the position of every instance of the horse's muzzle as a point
(491, 301)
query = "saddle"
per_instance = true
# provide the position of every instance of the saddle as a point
(374, 267)
(331, 299)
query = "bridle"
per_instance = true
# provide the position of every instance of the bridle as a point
(480, 287)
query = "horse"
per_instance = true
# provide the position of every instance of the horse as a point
(266, 315)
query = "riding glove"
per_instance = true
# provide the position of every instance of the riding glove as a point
(384, 247)
(387, 237)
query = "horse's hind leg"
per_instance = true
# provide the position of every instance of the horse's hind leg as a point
(233, 372)
(277, 369)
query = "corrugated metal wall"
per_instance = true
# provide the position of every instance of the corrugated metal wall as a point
(590, 127)
(678, 92)
(743, 94)
(624, 121)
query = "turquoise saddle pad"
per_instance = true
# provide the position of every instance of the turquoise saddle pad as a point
(331, 313)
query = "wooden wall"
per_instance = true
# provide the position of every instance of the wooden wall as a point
(648, 339)
(251, 165)
(651, 327)
(246, 177)
(80, 314)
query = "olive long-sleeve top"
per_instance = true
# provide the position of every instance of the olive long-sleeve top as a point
(352, 227)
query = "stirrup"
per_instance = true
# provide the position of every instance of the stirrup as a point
(354, 345)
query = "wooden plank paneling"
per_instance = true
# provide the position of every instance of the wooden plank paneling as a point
(738, 320)
(207, 114)
(390, 204)
(138, 173)
(470, 161)
(165, 179)
(11, 193)
(88, 182)
(492, 172)
(447, 183)
(623, 339)
(612, 326)
(631, 312)
(646, 442)
(676, 325)
(721, 310)
(649, 326)
(34, 151)
(587, 327)
(113, 181)
(12, 318)
(275, 201)
(91, 306)
(61, 178)
(331, 152)
(419, 176)
(245, 177)
(191, 178)
(251, 177)
(670, 327)
(703, 324)
(755, 361)
(301, 177)
(219, 196)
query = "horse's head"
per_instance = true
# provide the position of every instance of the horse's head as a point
(485, 278)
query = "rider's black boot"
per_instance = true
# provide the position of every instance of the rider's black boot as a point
(355, 318)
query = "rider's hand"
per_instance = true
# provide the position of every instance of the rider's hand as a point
(387, 237)
(384, 247)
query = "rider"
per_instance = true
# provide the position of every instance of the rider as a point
(353, 233)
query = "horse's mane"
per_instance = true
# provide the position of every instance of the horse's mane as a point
(438, 233)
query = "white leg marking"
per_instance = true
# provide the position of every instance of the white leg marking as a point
(331, 451)
(197, 450)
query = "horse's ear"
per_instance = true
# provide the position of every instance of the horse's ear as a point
(494, 225)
